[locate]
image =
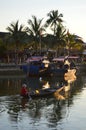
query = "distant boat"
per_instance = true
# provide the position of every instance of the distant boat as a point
(36, 66)
(61, 66)
(57, 68)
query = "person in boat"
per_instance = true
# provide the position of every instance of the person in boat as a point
(24, 91)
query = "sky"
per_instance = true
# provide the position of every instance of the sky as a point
(74, 13)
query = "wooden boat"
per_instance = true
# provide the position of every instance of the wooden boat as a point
(36, 67)
(57, 66)
(62, 67)
(42, 93)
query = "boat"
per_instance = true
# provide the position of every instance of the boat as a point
(42, 93)
(62, 67)
(36, 66)
(57, 66)
(39, 67)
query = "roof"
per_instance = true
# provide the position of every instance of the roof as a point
(3, 34)
(34, 58)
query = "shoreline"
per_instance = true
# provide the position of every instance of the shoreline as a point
(11, 69)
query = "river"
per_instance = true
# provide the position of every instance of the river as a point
(66, 111)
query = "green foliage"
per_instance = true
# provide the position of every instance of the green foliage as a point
(34, 36)
(54, 19)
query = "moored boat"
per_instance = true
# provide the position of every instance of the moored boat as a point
(57, 66)
(63, 67)
(36, 66)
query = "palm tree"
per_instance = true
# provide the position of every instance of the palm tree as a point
(54, 19)
(60, 36)
(17, 36)
(73, 42)
(69, 39)
(36, 30)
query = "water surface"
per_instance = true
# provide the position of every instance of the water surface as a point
(66, 111)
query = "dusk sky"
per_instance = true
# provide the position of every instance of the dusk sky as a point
(74, 13)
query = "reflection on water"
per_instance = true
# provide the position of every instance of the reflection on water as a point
(35, 112)
(17, 113)
(9, 86)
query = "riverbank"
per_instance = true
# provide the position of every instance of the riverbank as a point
(11, 69)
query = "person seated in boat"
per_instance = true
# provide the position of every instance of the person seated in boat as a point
(24, 91)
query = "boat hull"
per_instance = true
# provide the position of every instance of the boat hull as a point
(42, 93)
(36, 71)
